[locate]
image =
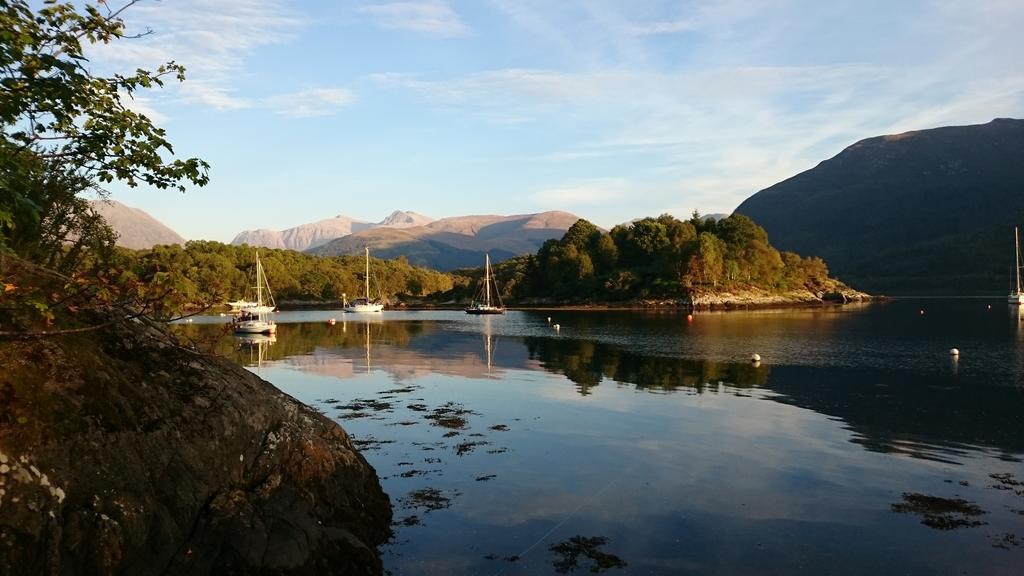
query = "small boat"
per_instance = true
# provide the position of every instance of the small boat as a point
(254, 320)
(1015, 296)
(363, 305)
(484, 305)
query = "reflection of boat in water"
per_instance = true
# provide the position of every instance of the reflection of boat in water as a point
(1015, 296)
(364, 304)
(257, 343)
(489, 344)
(254, 320)
(484, 305)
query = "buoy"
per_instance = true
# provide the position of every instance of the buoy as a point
(549, 319)
(557, 327)
(223, 314)
(331, 322)
(689, 317)
(755, 358)
(921, 312)
(954, 352)
(989, 306)
(189, 320)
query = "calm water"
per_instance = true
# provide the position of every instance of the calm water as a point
(499, 438)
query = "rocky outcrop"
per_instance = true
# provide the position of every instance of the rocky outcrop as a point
(123, 452)
(751, 297)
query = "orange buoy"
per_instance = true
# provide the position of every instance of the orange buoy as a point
(689, 317)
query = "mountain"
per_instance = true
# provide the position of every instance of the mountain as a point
(458, 242)
(315, 234)
(929, 211)
(135, 228)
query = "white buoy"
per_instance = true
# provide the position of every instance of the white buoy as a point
(557, 327)
(954, 352)
(222, 314)
(331, 322)
(755, 358)
(549, 319)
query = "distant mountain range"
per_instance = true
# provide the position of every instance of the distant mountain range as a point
(458, 242)
(929, 211)
(314, 234)
(135, 228)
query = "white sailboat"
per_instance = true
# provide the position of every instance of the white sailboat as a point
(1015, 296)
(363, 305)
(485, 306)
(254, 320)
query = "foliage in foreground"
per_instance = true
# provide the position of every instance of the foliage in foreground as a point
(67, 132)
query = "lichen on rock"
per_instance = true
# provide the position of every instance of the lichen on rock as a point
(127, 453)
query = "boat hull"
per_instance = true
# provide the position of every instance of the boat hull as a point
(364, 309)
(255, 327)
(479, 311)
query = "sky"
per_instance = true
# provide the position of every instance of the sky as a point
(609, 109)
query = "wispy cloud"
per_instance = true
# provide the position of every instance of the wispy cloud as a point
(213, 40)
(434, 17)
(586, 193)
(311, 103)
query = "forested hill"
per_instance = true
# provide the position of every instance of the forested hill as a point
(930, 211)
(664, 258)
(211, 273)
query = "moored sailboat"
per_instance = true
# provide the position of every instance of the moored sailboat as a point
(255, 320)
(484, 305)
(363, 305)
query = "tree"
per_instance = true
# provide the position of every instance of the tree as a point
(67, 131)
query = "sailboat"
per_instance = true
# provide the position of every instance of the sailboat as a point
(363, 305)
(1015, 296)
(485, 306)
(255, 320)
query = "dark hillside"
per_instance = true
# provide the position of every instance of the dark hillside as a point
(929, 211)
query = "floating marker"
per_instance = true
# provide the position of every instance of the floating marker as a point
(755, 358)
(557, 327)
(223, 314)
(549, 319)
(331, 322)
(989, 306)
(689, 317)
(921, 312)
(954, 352)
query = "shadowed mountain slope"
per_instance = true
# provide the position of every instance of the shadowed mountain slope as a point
(135, 228)
(929, 211)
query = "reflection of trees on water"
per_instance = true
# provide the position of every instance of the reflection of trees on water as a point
(301, 339)
(587, 363)
(929, 416)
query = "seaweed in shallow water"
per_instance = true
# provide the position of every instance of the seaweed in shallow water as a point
(590, 548)
(941, 513)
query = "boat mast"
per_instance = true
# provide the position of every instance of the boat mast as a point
(487, 279)
(259, 283)
(367, 277)
(1016, 245)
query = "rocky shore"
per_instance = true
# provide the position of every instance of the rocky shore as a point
(124, 452)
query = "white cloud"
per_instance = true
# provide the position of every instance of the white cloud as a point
(600, 191)
(311, 103)
(213, 40)
(430, 17)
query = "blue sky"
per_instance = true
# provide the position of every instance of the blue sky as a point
(612, 110)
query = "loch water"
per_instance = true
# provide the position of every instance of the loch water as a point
(633, 442)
